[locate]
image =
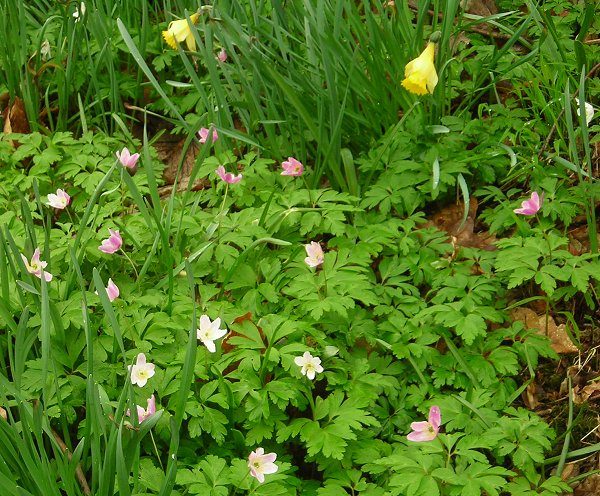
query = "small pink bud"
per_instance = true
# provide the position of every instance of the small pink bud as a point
(222, 55)
(126, 159)
(204, 132)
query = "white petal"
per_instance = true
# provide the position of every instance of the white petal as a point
(209, 345)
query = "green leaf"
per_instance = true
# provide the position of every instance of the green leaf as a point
(470, 327)
(291, 430)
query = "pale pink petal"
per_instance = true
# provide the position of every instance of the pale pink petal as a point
(269, 468)
(421, 436)
(112, 290)
(435, 417)
(419, 426)
(35, 258)
(151, 405)
(141, 359)
(141, 413)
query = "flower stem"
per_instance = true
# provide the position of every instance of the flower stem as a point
(239, 484)
(131, 262)
(156, 451)
(311, 402)
(308, 189)
(324, 278)
(262, 373)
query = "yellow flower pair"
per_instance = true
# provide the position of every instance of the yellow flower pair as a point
(419, 74)
(180, 31)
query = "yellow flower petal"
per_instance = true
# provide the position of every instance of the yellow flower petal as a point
(420, 76)
(179, 31)
(170, 39)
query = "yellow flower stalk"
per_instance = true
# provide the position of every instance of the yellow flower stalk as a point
(179, 31)
(419, 74)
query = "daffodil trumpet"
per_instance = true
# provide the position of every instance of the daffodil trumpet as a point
(180, 31)
(420, 76)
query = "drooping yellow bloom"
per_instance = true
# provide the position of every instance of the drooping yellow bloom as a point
(180, 31)
(419, 74)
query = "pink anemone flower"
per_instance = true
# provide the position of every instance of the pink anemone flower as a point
(228, 177)
(204, 133)
(36, 266)
(111, 244)
(292, 167)
(531, 206)
(426, 431)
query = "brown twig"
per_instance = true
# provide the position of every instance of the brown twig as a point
(78, 471)
(561, 113)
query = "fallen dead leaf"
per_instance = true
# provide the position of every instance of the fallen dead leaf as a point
(586, 393)
(450, 220)
(169, 152)
(530, 396)
(482, 8)
(589, 487)
(579, 240)
(559, 338)
(570, 470)
(15, 119)
(576, 375)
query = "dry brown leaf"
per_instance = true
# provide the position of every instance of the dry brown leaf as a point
(589, 487)
(574, 372)
(15, 119)
(3, 413)
(450, 220)
(579, 240)
(169, 152)
(559, 339)
(570, 470)
(530, 396)
(586, 393)
(482, 8)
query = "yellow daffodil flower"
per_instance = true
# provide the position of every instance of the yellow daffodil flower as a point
(179, 31)
(419, 74)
